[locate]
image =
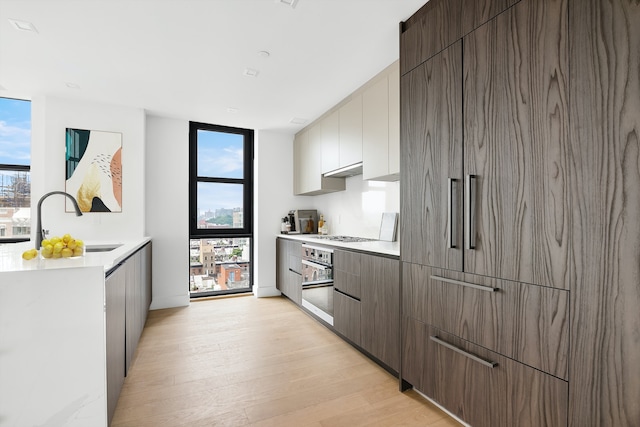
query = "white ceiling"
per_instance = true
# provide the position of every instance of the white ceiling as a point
(185, 58)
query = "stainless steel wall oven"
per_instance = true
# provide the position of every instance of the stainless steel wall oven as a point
(317, 281)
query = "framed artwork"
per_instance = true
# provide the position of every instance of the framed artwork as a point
(94, 170)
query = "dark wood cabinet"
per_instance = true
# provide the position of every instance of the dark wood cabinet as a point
(431, 159)
(381, 309)
(605, 181)
(516, 145)
(347, 316)
(551, 108)
(346, 272)
(487, 389)
(366, 303)
(485, 244)
(525, 322)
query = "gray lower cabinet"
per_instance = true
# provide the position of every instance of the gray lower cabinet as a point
(127, 301)
(115, 309)
(347, 316)
(366, 303)
(288, 270)
(381, 308)
(138, 270)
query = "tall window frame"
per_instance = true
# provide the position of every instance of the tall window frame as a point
(242, 225)
(246, 181)
(10, 233)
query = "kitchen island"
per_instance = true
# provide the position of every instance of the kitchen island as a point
(53, 336)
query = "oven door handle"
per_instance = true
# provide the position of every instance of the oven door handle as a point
(315, 265)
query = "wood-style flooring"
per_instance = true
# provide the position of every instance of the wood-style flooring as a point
(248, 361)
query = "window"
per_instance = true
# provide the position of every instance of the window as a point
(15, 159)
(220, 209)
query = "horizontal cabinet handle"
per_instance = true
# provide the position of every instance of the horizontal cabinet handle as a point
(467, 284)
(293, 271)
(473, 357)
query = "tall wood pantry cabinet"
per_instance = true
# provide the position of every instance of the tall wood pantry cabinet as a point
(520, 249)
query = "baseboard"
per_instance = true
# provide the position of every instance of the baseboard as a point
(266, 292)
(160, 302)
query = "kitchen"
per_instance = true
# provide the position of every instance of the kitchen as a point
(50, 114)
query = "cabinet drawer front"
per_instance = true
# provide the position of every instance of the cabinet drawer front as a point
(346, 272)
(346, 316)
(507, 394)
(525, 322)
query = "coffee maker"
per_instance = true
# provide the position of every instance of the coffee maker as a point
(292, 221)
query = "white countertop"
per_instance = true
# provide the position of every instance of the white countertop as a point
(11, 256)
(375, 247)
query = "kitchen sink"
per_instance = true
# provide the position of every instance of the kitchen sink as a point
(101, 248)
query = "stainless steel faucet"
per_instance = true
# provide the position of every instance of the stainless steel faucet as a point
(40, 232)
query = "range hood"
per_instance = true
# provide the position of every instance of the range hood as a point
(345, 172)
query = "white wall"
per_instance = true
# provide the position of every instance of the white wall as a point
(50, 118)
(273, 198)
(167, 202)
(357, 211)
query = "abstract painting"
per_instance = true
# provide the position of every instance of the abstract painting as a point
(94, 170)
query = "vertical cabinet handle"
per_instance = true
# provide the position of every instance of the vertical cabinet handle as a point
(452, 229)
(471, 211)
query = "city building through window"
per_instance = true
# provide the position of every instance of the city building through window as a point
(220, 209)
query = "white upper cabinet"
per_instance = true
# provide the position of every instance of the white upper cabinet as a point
(351, 131)
(381, 128)
(330, 126)
(308, 179)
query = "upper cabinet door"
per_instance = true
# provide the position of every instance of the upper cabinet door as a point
(350, 125)
(431, 161)
(516, 145)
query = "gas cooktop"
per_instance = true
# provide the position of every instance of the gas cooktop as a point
(345, 239)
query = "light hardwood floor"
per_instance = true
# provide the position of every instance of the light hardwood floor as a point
(258, 362)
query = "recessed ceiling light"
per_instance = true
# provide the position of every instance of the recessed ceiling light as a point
(232, 110)
(250, 72)
(72, 85)
(23, 25)
(290, 3)
(298, 121)
(263, 54)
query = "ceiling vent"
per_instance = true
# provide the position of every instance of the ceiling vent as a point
(250, 72)
(23, 25)
(291, 3)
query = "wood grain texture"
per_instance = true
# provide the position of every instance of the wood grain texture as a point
(414, 336)
(516, 142)
(434, 27)
(510, 394)
(246, 361)
(288, 267)
(605, 182)
(431, 152)
(347, 317)
(528, 323)
(346, 272)
(473, 392)
(474, 13)
(380, 328)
